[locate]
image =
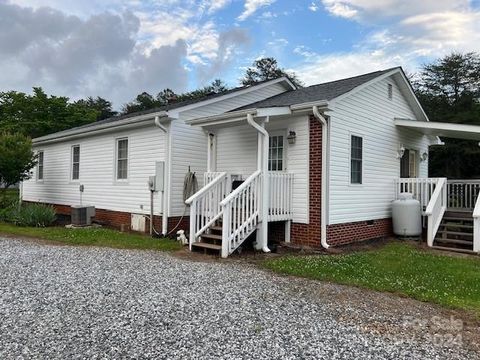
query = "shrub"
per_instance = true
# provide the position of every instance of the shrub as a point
(37, 215)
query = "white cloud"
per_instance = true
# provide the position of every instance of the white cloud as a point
(313, 7)
(251, 6)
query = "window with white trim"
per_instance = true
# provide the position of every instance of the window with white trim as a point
(275, 152)
(40, 165)
(356, 159)
(122, 159)
(390, 91)
(75, 162)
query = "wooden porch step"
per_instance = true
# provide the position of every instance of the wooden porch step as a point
(459, 250)
(204, 245)
(216, 228)
(454, 241)
(456, 225)
(455, 218)
(459, 233)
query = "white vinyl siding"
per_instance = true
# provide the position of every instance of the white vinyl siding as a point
(122, 159)
(370, 114)
(98, 172)
(237, 154)
(75, 162)
(40, 163)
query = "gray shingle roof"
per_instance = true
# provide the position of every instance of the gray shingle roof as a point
(326, 91)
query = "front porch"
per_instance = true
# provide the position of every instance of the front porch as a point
(450, 211)
(226, 211)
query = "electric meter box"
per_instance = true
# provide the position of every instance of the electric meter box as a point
(157, 181)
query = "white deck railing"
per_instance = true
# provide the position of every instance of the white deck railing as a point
(463, 194)
(280, 195)
(241, 211)
(208, 177)
(205, 207)
(435, 209)
(476, 226)
(421, 188)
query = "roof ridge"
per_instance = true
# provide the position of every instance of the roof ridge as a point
(353, 77)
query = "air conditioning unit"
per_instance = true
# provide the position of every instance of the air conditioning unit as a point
(82, 215)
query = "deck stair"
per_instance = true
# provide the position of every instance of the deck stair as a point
(455, 232)
(210, 241)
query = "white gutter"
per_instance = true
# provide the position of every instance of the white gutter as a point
(166, 177)
(323, 202)
(264, 169)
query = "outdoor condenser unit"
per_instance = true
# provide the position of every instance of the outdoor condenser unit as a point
(82, 215)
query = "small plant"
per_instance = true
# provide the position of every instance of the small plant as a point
(37, 215)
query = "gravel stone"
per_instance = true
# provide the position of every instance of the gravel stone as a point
(61, 302)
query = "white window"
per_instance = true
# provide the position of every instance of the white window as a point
(275, 152)
(412, 163)
(356, 159)
(75, 162)
(40, 165)
(122, 159)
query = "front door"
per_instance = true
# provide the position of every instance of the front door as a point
(409, 164)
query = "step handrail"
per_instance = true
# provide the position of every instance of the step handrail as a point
(206, 188)
(239, 189)
(436, 209)
(476, 226)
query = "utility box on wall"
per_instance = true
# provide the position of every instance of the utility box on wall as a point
(82, 215)
(157, 181)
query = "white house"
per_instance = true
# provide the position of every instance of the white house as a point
(318, 165)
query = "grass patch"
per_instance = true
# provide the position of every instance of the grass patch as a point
(397, 267)
(92, 237)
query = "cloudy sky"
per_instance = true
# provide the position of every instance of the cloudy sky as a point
(119, 48)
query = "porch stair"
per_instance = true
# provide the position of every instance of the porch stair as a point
(210, 241)
(455, 232)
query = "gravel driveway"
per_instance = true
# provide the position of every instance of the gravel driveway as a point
(74, 302)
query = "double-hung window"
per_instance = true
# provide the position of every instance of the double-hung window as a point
(40, 159)
(356, 159)
(275, 153)
(122, 159)
(75, 162)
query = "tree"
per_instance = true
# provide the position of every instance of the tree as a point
(16, 159)
(102, 106)
(39, 114)
(145, 101)
(449, 90)
(267, 69)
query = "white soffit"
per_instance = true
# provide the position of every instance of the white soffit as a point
(450, 130)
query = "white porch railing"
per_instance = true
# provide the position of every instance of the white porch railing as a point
(208, 177)
(463, 194)
(205, 207)
(435, 209)
(280, 195)
(421, 188)
(476, 226)
(241, 211)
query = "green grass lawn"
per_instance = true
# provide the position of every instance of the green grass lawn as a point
(92, 237)
(397, 267)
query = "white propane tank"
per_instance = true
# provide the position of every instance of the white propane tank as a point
(406, 216)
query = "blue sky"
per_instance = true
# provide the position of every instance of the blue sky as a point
(118, 48)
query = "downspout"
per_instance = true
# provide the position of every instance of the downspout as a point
(323, 202)
(166, 185)
(265, 181)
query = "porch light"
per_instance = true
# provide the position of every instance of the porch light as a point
(424, 156)
(292, 136)
(400, 152)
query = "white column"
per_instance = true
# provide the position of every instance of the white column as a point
(288, 227)
(209, 152)
(265, 191)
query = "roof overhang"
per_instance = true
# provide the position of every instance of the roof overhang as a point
(241, 115)
(449, 130)
(119, 125)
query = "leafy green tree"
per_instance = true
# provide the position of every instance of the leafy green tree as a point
(267, 69)
(145, 101)
(102, 106)
(449, 90)
(16, 159)
(39, 114)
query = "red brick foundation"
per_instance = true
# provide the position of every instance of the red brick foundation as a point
(347, 233)
(122, 220)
